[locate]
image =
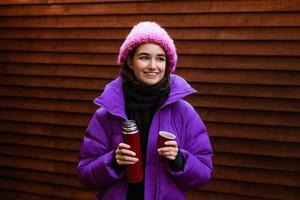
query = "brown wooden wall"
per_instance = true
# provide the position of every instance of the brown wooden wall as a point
(243, 56)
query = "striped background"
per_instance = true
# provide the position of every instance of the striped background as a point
(243, 57)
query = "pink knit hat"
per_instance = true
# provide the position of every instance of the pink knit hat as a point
(149, 32)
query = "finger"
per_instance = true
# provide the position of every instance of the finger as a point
(168, 153)
(171, 143)
(167, 149)
(171, 157)
(126, 158)
(125, 152)
(122, 162)
(124, 146)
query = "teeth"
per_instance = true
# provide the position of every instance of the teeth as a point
(151, 73)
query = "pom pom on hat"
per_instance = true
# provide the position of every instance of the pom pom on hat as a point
(149, 32)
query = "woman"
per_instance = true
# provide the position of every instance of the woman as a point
(147, 93)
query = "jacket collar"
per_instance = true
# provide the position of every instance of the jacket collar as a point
(112, 98)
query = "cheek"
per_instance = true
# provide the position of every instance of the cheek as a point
(163, 68)
(138, 71)
(138, 65)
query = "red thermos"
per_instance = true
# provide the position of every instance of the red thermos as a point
(131, 136)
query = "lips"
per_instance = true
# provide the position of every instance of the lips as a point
(151, 74)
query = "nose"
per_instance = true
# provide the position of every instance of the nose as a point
(152, 64)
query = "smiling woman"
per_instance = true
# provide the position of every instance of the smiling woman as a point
(149, 96)
(148, 63)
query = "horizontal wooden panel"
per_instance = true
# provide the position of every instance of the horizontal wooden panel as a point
(12, 195)
(95, 33)
(238, 62)
(44, 177)
(210, 115)
(170, 20)
(243, 103)
(256, 162)
(269, 48)
(75, 46)
(204, 195)
(49, 93)
(38, 164)
(40, 141)
(241, 76)
(269, 133)
(88, 71)
(48, 117)
(278, 92)
(39, 153)
(231, 173)
(215, 115)
(51, 190)
(220, 159)
(282, 148)
(253, 189)
(23, 2)
(198, 75)
(77, 106)
(42, 129)
(288, 164)
(230, 33)
(255, 147)
(49, 104)
(257, 132)
(58, 58)
(248, 147)
(250, 117)
(273, 177)
(224, 159)
(181, 7)
(185, 61)
(53, 82)
(16, 2)
(245, 90)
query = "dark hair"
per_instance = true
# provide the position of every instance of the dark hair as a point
(128, 75)
(126, 72)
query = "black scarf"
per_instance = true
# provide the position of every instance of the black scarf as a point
(141, 103)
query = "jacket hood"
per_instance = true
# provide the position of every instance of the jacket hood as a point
(112, 98)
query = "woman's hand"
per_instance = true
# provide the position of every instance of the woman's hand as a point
(124, 156)
(170, 151)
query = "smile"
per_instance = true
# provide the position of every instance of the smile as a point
(151, 74)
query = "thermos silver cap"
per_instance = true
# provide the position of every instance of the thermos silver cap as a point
(129, 126)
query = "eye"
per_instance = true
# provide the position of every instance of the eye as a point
(144, 58)
(161, 59)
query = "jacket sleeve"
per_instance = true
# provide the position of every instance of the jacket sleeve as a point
(96, 154)
(196, 152)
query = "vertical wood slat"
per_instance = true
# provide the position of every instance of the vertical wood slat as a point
(242, 57)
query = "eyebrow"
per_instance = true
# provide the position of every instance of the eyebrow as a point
(146, 54)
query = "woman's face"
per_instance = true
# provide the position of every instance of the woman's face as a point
(148, 63)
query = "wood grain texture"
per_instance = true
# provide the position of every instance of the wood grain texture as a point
(218, 33)
(242, 57)
(166, 7)
(171, 20)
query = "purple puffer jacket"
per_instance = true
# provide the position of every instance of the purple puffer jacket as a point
(103, 135)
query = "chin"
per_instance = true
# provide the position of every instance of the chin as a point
(150, 82)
